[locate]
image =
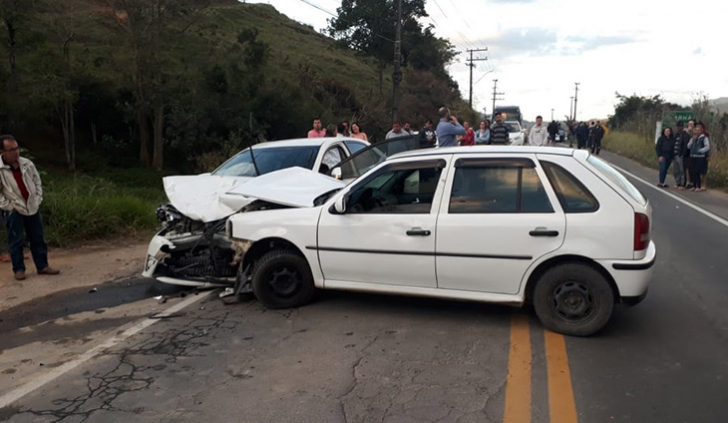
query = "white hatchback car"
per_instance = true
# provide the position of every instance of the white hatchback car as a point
(554, 227)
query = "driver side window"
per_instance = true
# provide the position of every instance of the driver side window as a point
(398, 189)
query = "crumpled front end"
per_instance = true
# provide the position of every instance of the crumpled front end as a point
(190, 253)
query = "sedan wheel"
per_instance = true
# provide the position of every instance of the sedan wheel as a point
(573, 299)
(282, 279)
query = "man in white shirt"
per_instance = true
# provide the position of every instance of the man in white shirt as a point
(538, 135)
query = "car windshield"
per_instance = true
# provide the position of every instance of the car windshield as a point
(616, 177)
(513, 126)
(362, 161)
(269, 159)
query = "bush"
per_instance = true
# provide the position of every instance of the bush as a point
(84, 208)
(642, 150)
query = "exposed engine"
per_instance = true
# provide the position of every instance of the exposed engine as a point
(202, 251)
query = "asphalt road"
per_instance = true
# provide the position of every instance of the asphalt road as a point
(363, 358)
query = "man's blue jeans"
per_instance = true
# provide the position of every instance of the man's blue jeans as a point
(664, 166)
(18, 227)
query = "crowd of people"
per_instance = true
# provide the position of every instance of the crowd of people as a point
(447, 133)
(688, 151)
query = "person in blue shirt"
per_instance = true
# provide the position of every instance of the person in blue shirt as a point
(448, 128)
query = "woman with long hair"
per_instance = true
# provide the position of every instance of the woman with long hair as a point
(482, 135)
(665, 149)
(356, 132)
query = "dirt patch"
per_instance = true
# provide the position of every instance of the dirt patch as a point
(85, 266)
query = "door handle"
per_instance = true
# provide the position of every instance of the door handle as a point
(543, 232)
(418, 232)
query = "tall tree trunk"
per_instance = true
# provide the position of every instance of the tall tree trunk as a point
(158, 159)
(72, 128)
(143, 138)
(12, 61)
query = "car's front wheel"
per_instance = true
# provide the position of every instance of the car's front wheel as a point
(282, 279)
(573, 299)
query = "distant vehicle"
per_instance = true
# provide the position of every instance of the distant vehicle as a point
(512, 113)
(515, 133)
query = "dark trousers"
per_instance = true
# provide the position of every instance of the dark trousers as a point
(699, 167)
(18, 227)
(664, 166)
(596, 146)
(688, 165)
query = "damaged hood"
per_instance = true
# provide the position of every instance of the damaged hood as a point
(203, 197)
(208, 198)
(292, 187)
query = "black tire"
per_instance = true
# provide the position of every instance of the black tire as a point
(573, 299)
(282, 279)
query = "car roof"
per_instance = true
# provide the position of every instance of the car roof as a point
(305, 142)
(494, 149)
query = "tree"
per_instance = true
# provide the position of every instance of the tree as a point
(151, 28)
(13, 14)
(369, 26)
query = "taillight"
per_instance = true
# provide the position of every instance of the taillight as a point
(641, 231)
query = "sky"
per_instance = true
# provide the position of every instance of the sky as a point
(539, 49)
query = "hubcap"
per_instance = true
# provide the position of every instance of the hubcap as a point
(573, 301)
(284, 281)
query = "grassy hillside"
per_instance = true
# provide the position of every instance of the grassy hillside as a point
(208, 70)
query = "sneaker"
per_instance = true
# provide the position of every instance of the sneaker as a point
(20, 276)
(49, 271)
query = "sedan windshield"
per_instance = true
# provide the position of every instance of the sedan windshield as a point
(269, 160)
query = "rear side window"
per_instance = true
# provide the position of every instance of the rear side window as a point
(481, 187)
(618, 179)
(573, 195)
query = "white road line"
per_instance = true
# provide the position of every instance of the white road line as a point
(675, 197)
(31, 386)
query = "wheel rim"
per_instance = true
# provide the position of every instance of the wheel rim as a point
(285, 282)
(573, 301)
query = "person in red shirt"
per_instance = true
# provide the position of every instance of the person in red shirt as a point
(21, 194)
(318, 130)
(469, 137)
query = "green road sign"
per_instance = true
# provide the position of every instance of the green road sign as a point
(671, 118)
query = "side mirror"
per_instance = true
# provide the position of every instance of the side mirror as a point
(336, 173)
(340, 205)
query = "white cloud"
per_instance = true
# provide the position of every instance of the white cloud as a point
(539, 48)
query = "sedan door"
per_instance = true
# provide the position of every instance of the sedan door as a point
(498, 216)
(387, 233)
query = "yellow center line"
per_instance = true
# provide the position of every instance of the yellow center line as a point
(561, 394)
(518, 384)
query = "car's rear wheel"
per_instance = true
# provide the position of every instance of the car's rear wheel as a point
(573, 299)
(282, 279)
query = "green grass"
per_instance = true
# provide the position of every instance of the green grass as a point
(80, 208)
(642, 150)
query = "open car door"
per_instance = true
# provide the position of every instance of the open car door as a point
(364, 160)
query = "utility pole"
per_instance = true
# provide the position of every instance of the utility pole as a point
(576, 97)
(397, 74)
(471, 65)
(495, 97)
(552, 114)
(571, 109)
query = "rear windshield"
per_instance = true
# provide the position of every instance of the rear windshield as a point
(618, 179)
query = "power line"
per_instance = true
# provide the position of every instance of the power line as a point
(438, 6)
(471, 64)
(308, 2)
